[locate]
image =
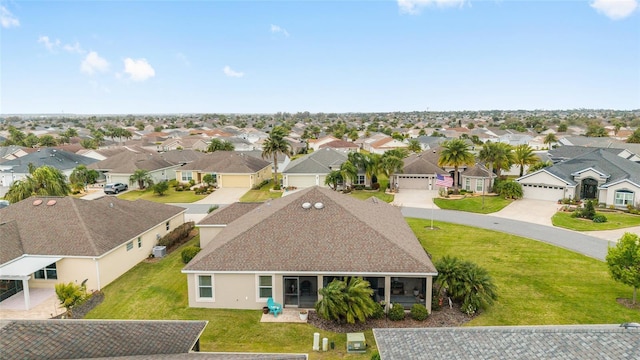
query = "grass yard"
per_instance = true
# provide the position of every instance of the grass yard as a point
(263, 194)
(473, 204)
(537, 283)
(364, 195)
(154, 291)
(171, 196)
(615, 220)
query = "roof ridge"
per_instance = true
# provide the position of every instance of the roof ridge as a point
(83, 225)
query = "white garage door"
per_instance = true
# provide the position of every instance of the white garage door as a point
(413, 182)
(542, 192)
(301, 181)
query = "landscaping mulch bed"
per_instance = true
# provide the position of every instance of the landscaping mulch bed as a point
(445, 317)
(80, 311)
(628, 303)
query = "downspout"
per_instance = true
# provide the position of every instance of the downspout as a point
(97, 273)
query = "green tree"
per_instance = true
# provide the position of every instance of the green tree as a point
(488, 155)
(414, 146)
(44, 181)
(208, 179)
(141, 177)
(31, 140)
(391, 162)
(349, 171)
(635, 137)
(596, 130)
(276, 144)
(623, 261)
(70, 294)
(81, 175)
(539, 165)
(563, 127)
(220, 145)
(524, 156)
(509, 189)
(455, 153)
(346, 301)
(465, 282)
(333, 179)
(88, 144)
(161, 188)
(16, 137)
(47, 140)
(549, 139)
(504, 157)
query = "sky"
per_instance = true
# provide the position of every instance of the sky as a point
(159, 57)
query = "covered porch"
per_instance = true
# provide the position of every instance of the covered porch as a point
(15, 276)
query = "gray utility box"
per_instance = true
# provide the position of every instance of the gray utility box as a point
(159, 251)
(356, 343)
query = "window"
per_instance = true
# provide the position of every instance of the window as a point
(467, 184)
(359, 180)
(205, 287)
(48, 273)
(187, 176)
(624, 197)
(215, 178)
(167, 226)
(265, 286)
(139, 242)
(129, 245)
(479, 185)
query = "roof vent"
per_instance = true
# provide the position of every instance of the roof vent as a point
(306, 205)
(318, 205)
(111, 205)
(51, 202)
(37, 202)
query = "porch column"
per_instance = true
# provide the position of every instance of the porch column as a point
(428, 295)
(387, 293)
(320, 285)
(25, 290)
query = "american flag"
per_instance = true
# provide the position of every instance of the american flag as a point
(446, 181)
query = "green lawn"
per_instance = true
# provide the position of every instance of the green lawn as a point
(537, 282)
(171, 196)
(473, 204)
(614, 221)
(364, 195)
(263, 194)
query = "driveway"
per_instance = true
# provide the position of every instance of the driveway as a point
(224, 196)
(531, 211)
(414, 198)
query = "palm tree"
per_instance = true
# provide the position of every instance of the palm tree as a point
(346, 300)
(348, 171)
(455, 153)
(477, 288)
(550, 139)
(488, 155)
(449, 273)
(414, 146)
(524, 156)
(220, 145)
(45, 180)
(333, 179)
(275, 144)
(539, 165)
(504, 157)
(81, 175)
(332, 305)
(635, 137)
(392, 162)
(142, 177)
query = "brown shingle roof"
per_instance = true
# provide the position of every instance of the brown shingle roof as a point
(76, 227)
(10, 241)
(347, 235)
(418, 164)
(339, 144)
(229, 213)
(74, 339)
(228, 162)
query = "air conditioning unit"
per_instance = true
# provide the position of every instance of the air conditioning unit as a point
(159, 251)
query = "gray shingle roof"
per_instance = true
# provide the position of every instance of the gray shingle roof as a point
(228, 162)
(612, 165)
(216, 356)
(318, 162)
(59, 159)
(229, 213)
(347, 235)
(82, 227)
(75, 339)
(535, 342)
(128, 162)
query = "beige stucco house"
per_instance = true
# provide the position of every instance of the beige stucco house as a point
(50, 240)
(232, 169)
(289, 248)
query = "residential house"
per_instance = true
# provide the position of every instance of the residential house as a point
(419, 172)
(341, 145)
(316, 143)
(312, 169)
(107, 152)
(49, 240)
(234, 169)
(600, 174)
(120, 167)
(12, 152)
(477, 179)
(385, 144)
(289, 248)
(283, 160)
(184, 143)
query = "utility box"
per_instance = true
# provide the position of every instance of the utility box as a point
(356, 343)
(159, 251)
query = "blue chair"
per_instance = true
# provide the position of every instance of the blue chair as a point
(274, 307)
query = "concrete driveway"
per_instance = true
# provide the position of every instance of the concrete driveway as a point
(224, 196)
(414, 198)
(531, 211)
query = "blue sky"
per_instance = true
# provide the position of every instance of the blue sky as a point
(134, 57)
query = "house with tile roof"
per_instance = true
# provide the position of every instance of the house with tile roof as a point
(608, 177)
(49, 240)
(233, 169)
(289, 248)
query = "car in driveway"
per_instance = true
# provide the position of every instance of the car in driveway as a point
(115, 188)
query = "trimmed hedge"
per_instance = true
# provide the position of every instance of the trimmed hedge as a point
(419, 312)
(396, 313)
(189, 253)
(177, 235)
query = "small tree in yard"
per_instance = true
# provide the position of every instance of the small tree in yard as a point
(509, 189)
(161, 188)
(70, 295)
(623, 261)
(348, 301)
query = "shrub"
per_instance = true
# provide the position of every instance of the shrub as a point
(358, 187)
(161, 188)
(419, 312)
(173, 183)
(396, 313)
(375, 356)
(192, 182)
(599, 218)
(349, 301)
(378, 312)
(259, 186)
(212, 208)
(375, 186)
(70, 294)
(589, 211)
(189, 253)
(177, 235)
(510, 189)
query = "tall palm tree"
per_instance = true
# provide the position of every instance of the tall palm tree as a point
(45, 180)
(550, 139)
(414, 146)
(220, 145)
(635, 137)
(488, 155)
(349, 171)
(392, 162)
(524, 156)
(275, 144)
(333, 178)
(346, 300)
(504, 157)
(455, 153)
(142, 177)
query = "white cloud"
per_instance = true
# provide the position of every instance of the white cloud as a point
(232, 73)
(93, 63)
(414, 7)
(7, 19)
(138, 70)
(277, 29)
(615, 9)
(75, 48)
(48, 43)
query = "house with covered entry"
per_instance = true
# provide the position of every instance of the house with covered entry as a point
(232, 169)
(312, 169)
(289, 248)
(50, 240)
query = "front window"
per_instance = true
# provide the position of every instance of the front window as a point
(205, 287)
(467, 184)
(187, 176)
(265, 286)
(139, 242)
(359, 180)
(624, 198)
(479, 185)
(48, 273)
(129, 245)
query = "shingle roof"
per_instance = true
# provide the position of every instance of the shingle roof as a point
(228, 162)
(419, 164)
(82, 227)
(339, 144)
(182, 156)
(59, 159)
(478, 170)
(229, 213)
(346, 235)
(10, 241)
(128, 162)
(612, 165)
(75, 339)
(318, 162)
(535, 342)
(216, 356)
